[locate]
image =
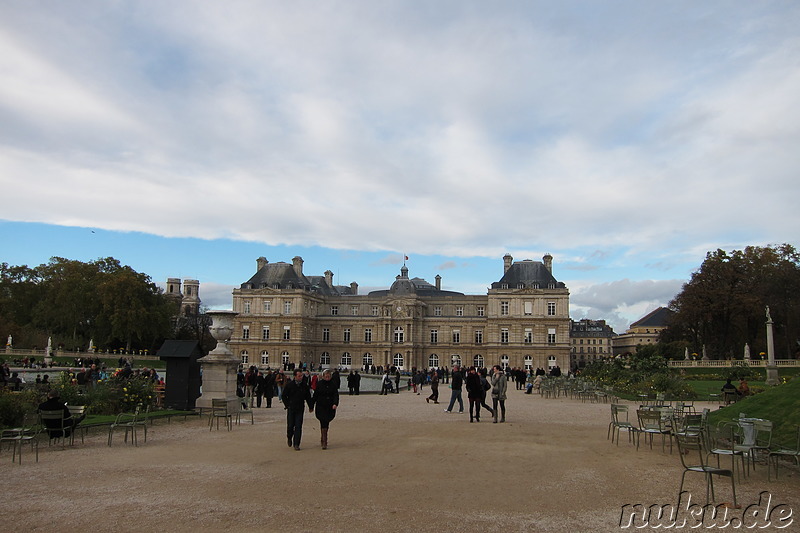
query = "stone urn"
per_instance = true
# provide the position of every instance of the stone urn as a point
(220, 366)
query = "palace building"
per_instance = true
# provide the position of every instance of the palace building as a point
(287, 316)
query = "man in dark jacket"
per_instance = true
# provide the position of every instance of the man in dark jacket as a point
(295, 393)
(54, 427)
(456, 382)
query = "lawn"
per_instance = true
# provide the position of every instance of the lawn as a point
(780, 404)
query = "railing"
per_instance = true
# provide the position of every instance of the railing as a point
(759, 363)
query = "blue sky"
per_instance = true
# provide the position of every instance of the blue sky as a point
(186, 139)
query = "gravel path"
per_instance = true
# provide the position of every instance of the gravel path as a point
(394, 462)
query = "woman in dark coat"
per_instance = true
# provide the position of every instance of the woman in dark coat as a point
(325, 402)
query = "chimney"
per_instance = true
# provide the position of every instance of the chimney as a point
(507, 260)
(329, 278)
(354, 288)
(548, 262)
(261, 262)
(297, 263)
(438, 282)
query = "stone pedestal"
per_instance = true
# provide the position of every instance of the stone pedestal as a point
(220, 366)
(772, 368)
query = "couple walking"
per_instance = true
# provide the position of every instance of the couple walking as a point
(325, 400)
(477, 386)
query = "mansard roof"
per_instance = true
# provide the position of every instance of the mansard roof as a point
(278, 275)
(529, 274)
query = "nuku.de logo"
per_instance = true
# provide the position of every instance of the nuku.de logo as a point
(694, 516)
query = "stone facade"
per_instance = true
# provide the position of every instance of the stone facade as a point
(591, 340)
(644, 331)
(286, 316)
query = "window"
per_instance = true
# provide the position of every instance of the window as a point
(354, 310)
(287, 333)
(433, 361)
(477, 361)
(437, 311)
(504, 335)
(245, 357)
(528, 362)
(551, 308)
(459, 310)
(367, 334)
(347, 360)
(551, 335)
(285, 357)
(265, 358)
(245, 332)
(456, 336)
(434, 336)
(334, 310)
(551, 361)
(528, 308)
(504, 361)
(398, 334)
(528, 336)
(264, 333)
(397, 360)
(267, 306)
(367, 359)
(247, 307)
(374, 310)
(287, 307)
(481, 310)
(325, 359)
(346, 335)
(478, 336)
(504, 285)
(326, 335)
(504, 308)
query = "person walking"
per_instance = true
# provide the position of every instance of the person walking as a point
(485, 387)
(456, 382)
(474, 388)
(499, 387)
(324, 403)
(434, 389)
(295, 394)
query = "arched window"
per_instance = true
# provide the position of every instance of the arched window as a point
(398, 360)
(528, 362)
(367, 359)
(433, 361)
(477, 361)
(285, 357)
(504, 361)
(551, 361)
(245, 357)
(347, 360)
(325, 359)
(265, 358)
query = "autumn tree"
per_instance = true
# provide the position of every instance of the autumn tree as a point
(722, 307)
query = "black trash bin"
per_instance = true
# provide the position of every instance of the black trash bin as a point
(183, 373)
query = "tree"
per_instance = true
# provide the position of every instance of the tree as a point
(722, 306)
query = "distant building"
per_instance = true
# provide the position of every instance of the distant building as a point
(189, 298)
(644, 331)
(286, 316)
(590, 340)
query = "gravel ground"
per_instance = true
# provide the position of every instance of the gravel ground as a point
(394, 462)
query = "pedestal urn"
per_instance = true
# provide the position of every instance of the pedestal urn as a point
(220, 366)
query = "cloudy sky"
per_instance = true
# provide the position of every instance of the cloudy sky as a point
(625, 138)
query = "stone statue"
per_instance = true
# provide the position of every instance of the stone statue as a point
(769, 318)
(9, 343)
